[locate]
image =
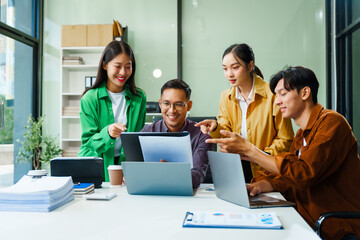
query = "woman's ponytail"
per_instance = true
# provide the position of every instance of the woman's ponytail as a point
(258, 71)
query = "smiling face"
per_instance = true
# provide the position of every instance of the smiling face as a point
(178, 105)
(291, 103)
(119, 69)
(236, 71)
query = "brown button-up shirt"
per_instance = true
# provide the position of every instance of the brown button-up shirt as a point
(325, 176)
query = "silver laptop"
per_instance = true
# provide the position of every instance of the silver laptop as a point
(158, 178)
(229, 182)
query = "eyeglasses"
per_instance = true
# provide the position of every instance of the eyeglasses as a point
(179, 106)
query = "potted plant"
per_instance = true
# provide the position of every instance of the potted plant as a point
(36, 147)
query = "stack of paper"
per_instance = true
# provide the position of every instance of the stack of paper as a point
(37, 194)
(268, 220)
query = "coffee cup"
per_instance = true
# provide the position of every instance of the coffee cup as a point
(115, 175)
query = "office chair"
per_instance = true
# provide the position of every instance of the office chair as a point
(347, 215)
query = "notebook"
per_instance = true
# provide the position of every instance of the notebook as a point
(131, 144)
(158, 178)
(229, 182)
(81, 169)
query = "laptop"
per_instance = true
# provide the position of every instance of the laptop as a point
(81, 169)
(229, 182)
(131, 144)
(158, 178)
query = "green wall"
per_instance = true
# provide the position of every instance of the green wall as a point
(281, 32)
(152, 34)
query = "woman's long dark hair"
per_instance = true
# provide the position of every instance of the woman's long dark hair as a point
(244, 52)
(113, 49)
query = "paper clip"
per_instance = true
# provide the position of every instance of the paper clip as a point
(189, 216)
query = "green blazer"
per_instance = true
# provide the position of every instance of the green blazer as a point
(96, 115)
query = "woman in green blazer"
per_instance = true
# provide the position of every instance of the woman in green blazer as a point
(111, 106)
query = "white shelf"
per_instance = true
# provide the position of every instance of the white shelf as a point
(83, 49)
(71, 117)
(71, 140)
(71, 94)
(79, 67)
(72, 88)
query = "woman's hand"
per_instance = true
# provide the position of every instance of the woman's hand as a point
(233, 143)
(207, 126)
(259, 187)
(116, 129)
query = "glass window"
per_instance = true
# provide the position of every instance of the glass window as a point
(7, 100)
(16, 82)
(347, 62)
(356, 83)
(356, 9)
(18, 14)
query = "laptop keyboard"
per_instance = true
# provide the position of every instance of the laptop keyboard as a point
(258, 203)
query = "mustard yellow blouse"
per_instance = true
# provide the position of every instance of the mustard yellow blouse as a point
(266, 128)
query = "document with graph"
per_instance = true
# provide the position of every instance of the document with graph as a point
(265, 220)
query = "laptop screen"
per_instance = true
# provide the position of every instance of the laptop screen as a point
(131, 144)
(229, 182)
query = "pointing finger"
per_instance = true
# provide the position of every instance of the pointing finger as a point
(120, 126)
(226, 133)
(215, 140)
(198, 124)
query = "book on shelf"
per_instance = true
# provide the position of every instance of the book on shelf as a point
(117, 30)
(37, 194)
(83, 188)
(71, 111)
(72, 60)
(73, 63)
(70, 152)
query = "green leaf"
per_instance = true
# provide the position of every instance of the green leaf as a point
(36, 147)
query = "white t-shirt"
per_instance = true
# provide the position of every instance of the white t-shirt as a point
(119, 109)
(244, 106)
(304, 144)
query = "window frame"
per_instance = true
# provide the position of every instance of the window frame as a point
(340, 28)
(36, 43)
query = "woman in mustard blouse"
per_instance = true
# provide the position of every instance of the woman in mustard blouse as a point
(248, 107)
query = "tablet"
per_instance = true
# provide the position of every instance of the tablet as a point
(131, 144)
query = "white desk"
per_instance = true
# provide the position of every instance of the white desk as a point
(142, 217)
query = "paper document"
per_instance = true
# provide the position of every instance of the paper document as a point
(42, 194)
(266, 220)
(171, 149)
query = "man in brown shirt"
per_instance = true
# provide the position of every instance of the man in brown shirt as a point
(321, 173)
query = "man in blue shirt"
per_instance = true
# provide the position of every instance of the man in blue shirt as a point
(174, 104)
